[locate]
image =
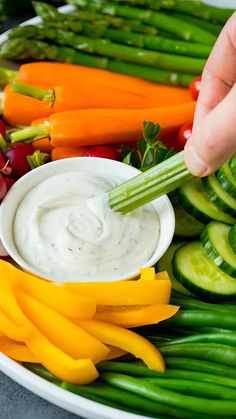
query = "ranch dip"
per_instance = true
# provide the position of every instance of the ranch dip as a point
(66, 230)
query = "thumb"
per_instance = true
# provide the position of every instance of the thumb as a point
(213, 139)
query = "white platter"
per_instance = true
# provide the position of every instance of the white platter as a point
(48, 391)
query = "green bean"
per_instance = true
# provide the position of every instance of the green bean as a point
(191, 303)
(155, 393)
(226, 339)
(195, 388)
(223, 354)
(202, 318)
(126, 399)
(191, 364)
(140, 370)
(38, 369)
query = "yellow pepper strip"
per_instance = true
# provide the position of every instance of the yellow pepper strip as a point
(53, 295)
(76, 371)
(126, 340)
(114, 353)
(125, 292)
(147, 274)
(135, 316)
(61, 331)
(9, 329)
(16, 351)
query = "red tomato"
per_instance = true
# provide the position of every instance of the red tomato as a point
(104, 151)
(9, 181)
(2, 128)
(3, 187)
(194, 87)
(184, 134)
(17, 156)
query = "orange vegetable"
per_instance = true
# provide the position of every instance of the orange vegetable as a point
(11, 330)
(43, 145)
(125, 292)
(52, 295)
(70, 338)
(53, 74)
(104, 126)
(126, 340)
(85, 96)
(135, 316)
(19, 110)
(59, 153)
(16, 351)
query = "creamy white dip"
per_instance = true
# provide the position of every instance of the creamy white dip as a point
(66, 230)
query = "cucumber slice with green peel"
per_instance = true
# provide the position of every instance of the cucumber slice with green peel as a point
(232, 165)
(186, 226)
(218, 196)
(164, 264)
(215, 241)
(196, 272)
(232, 238)
(193, 198)
(227, 180)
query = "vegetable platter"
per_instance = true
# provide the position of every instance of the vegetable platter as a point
(196, 335)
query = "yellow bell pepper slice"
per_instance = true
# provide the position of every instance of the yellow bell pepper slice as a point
(147, 274)
(53, 295)
(61, 331)
(9, 329)
(135, 316)
(76, 371)
(127, 340)
(16, 351)
(114, 353)
(125, 292)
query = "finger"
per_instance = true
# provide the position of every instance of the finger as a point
(219, 73)
(214, 139)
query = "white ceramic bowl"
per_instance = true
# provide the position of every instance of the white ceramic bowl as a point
(18, 191)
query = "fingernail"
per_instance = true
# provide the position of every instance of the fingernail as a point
(194, 162)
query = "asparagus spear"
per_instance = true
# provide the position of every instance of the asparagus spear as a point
(193, 7)
(209, 26)
(182, 30)
(20, 49)
(60, 21)
(49, 13)
(126, 53)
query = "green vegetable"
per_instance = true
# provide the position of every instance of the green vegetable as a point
(191, 303)
(38, 369)
(21, 49)
(209, 368)
(225, 339)
(196, 318)
(126, 399)
(113, 50)
(218, 196)
(195, 388)
(186, 226)
(227, 180)
(147, 186)
(205, 24)
(232, 238)
(223, 354)
(232, 165)
(215, 241)
(182, 30)
(197, 203)
(155, 393)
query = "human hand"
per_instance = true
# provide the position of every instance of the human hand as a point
(213, 138)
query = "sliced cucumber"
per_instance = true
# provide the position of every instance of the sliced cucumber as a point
(164, 264)
(232, 238)
(186, 226)
(195, 201)
(195, 270)
(227, 180)
(215, 240)
(232, 165)
(218, 196)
